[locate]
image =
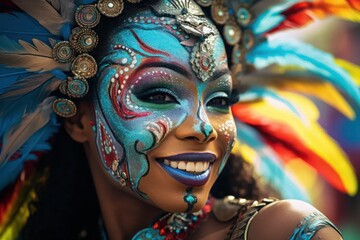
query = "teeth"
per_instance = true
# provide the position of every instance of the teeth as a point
(199, 167)
(174, 164)
(182, 165)
(188, 166)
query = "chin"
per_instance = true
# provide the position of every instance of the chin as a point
(177, 204)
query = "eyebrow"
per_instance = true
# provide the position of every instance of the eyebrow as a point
(219, 73)
(149, 62)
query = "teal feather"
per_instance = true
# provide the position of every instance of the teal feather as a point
(268, 164)
(293, 53)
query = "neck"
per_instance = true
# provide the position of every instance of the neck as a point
(123, 213)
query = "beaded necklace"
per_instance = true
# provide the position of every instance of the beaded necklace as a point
(171, 226)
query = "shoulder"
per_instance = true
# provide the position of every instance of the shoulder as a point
(290, 219)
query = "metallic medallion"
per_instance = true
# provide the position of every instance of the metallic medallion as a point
(63, 52)
(195, 25)
(219, 12)
(238, 54)
(87, 16)
(243, 16)
(84, 40)
(248, 39)
(111, 8)
(177, 7)
(204, 3)
(84, 66)
(64, 107)
(63, 87)
(77, 88)
(231, 32)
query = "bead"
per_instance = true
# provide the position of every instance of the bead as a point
(64, 107)
(122, 182)
(111, 8)
(123, 175)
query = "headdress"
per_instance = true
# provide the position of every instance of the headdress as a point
(45, 46)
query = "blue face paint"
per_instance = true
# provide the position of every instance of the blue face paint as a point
(147, 88)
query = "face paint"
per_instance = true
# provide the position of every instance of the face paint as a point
(153, 103)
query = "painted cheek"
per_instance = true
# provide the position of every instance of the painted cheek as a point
(227, 132)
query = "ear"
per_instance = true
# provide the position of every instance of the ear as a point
(78, 127)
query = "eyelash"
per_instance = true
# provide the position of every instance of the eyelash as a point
(224, 102)
(158, 96)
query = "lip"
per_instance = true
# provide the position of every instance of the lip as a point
(184, 177)
(191, 157)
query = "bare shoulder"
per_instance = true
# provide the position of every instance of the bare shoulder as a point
(288, 219)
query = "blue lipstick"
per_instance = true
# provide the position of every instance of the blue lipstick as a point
(184, 177)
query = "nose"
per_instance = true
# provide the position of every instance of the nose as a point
(197, 127)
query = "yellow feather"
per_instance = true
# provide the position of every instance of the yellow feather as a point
(312, 134)
(351, 68)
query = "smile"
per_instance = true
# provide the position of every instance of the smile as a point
(192, 169)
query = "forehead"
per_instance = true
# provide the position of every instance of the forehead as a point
(157, 40)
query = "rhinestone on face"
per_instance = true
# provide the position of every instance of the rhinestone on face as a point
(64, 107)
(111, 8)
(84, 66)
(87, 16)
(63, 52)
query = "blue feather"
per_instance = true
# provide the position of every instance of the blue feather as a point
(293, 53)
(38, 142)
(20, 25)
(262, 92)
(268, 164)
(12, 109)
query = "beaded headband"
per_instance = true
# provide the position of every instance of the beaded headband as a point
(189, 17)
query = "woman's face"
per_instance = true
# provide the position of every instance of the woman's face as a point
(161, 130)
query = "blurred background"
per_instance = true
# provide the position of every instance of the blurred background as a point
(341, 38)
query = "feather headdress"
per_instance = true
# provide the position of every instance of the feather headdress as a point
(29, 75)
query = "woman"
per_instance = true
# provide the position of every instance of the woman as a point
(156, 125)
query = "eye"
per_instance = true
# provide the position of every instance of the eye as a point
(158, 96)
(219, 102)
